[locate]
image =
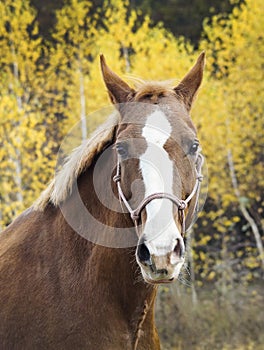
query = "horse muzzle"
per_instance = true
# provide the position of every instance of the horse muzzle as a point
(160, 266)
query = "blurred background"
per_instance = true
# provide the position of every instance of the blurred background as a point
(50, 80)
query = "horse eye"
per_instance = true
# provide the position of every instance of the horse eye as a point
(194, 148)
(122, 149)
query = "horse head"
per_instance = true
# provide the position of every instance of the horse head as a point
(158, 168)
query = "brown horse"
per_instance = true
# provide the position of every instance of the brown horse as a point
(70, 265)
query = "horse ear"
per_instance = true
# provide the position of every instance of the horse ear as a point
(189, 85)
(118, 90)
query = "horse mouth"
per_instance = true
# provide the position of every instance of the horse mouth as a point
(159, 281)
(156, 279)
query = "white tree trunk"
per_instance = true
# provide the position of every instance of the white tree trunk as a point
(126, 56)
(189, 244)
(17, 160)
(83, 108)
(243, 208)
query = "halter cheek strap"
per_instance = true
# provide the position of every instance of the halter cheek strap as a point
(180, 203)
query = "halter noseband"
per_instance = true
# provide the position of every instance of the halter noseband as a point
(180, 203)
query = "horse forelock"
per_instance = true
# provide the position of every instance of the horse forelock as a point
(80, 159)
(152, 89)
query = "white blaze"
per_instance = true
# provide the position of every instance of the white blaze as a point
(157, 171)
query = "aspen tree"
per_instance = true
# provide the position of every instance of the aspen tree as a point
(23, 142)
(70, 60)
(232, 131)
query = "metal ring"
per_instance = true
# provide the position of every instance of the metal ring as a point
(182, 205)
(200, 178)
(134, 216)
(117, 178)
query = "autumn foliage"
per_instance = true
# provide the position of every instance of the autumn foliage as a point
(47, 87)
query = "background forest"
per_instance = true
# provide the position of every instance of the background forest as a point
(50, 80)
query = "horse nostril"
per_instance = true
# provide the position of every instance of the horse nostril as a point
(143, 254)
(179, 248)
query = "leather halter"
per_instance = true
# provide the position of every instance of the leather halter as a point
(180, 203)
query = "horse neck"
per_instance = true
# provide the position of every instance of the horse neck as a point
(119, 278)
(112, 269)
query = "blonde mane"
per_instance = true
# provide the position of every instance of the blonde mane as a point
(79, 160)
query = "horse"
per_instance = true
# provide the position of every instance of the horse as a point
(79, 273)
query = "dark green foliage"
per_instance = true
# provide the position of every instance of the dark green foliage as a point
(181, 17)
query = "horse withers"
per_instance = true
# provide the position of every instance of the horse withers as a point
(76, 273)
